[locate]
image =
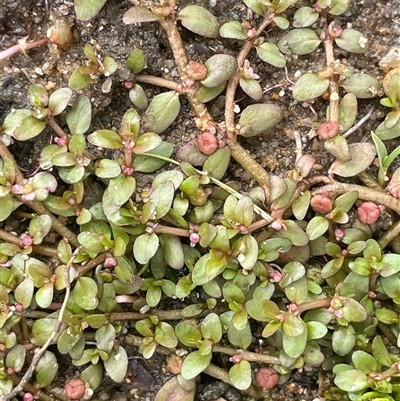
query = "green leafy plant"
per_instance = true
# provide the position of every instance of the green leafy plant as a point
(137, 229)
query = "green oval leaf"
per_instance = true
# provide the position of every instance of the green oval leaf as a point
(309, 86)
(162, 112)
(199, 20)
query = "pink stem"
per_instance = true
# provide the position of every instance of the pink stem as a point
(21, 47)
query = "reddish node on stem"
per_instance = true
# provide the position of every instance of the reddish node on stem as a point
(267, 377)
(328, 130)
(208, 143)
(196, 71)
(75, 388)
(369, 212)
(321, 203)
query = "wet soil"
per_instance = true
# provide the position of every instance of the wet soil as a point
(276, 151)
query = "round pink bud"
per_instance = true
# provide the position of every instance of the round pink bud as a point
(196, 70)
(10, 371)
(276, 277)
(18, 307)
(60, 141)
(128, 84)
(267, 377)
(321, 203)
(110, 262)
(16, 189)
(292, 307)
(208, 143)
(334, 31)
(75, 389)
(127, 171)
(28, 397)
(339, 234)
(194, 238)
(235, 359)
(371, 295)
(368, 212)
(328, 130)
(26, 240)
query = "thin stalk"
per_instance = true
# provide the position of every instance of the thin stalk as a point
(337, 188)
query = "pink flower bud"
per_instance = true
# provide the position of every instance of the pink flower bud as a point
(16, 189)
(334, 31)
(371, 295)
(28, 397)
(235, 359)
(369, 212)
(26, 240)
(321, 203)
(267, 377)
(75, 389)
(18, 307)
(328, 129)
(128, 171)
(194, 238)
(60, 141)
(276, 277)
(128, 84)
(110, 262)
(339, 234)
(208, 143)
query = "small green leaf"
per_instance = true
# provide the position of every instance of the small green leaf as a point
(240, 375)
(138, 97)
(299, 41)
(59, 99)
(364, 86)
(343, 340)
(39, 227)
(251, 87)
(270, 53)
(304, 17)
(232, 30)
(79, 80)
(87, 9)
(362, 155)
(46, 369)
(211, 328)
(194, 364)
(220, 68)
(352, 41)
(162, 112)
(145, 247)
(85, 292)
(258, 118)
(146, 143)
(136, 61)
(29, 128)
(262, 309)
(139, 14)
(107, 169)
(309, 86)
(351, 380)
(317, 227)
(80, 116)
(117, 364)
(106, 139)
(199, 20)
(256, 6)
